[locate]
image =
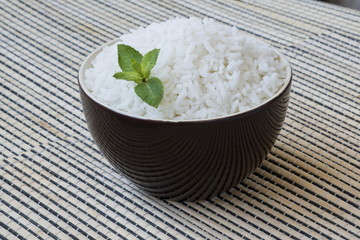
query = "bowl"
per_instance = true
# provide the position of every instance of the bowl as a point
(185, 160)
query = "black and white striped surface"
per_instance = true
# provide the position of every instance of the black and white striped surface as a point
(54, 183)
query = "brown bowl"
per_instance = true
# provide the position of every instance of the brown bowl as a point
(190, 159)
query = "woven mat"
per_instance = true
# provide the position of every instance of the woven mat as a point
(54, 182)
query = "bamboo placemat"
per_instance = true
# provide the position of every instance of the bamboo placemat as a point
(54, 183)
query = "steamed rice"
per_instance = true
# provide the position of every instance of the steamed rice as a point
(208, 70)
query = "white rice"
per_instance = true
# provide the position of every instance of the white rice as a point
(208, 70)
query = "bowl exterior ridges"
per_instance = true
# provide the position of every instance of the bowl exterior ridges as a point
(188, 160)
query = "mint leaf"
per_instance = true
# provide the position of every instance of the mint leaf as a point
(151, 91)
(125, 54)
(149, 61)
(129, 76)
(136, 66)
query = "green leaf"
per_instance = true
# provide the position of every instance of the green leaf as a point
(136, 66)
(151, 91)
(130, 76)
(149, 61)
(125, 54)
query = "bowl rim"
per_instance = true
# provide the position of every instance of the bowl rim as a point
(87, 61)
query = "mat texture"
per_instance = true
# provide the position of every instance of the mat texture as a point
(55, 184)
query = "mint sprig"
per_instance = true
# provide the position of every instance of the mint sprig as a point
(136, 67)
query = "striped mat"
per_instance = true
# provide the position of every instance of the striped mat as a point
(55, 184)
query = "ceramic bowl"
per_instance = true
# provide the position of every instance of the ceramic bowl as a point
(185, 160)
